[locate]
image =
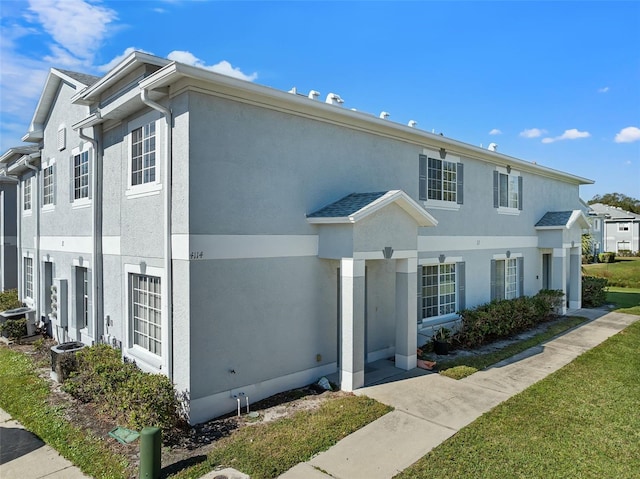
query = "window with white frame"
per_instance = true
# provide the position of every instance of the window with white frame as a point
(81, 175)
(623, 226)
(143, 154)
(440, 180)
(48, 185)
(507, 278)
(26, 195)
(507, 189)
(624, 246)
(440, 290)
(82, 296)
(146, 312)
(28, 277)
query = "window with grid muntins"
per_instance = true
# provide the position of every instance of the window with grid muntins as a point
(143, 154)
(28, 277)
(441, 180)
(81, 175)
(438, 290)
(509, 193)
(511, 279)
(146, 312)
(27, 195)
(47, 186)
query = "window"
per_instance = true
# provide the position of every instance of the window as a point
(440, 180)
(81, 175)
(47, 185)
(507, 190)
(28, 277)
(441, 290)
(596, 225)
(146, 312)
(82, 297)
(507, 278)
(624, 246)
(623, 226)
(26, 195)
(143, 154)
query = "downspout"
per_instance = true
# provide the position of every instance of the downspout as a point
(36, 206)
(96, 238)
(168, 263)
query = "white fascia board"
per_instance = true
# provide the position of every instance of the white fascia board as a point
(403, 200)
(331, 220)
(578, 216)
(92, 120)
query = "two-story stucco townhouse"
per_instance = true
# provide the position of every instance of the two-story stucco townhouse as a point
(619, 229)
(242, 239)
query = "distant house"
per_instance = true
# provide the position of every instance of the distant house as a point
(246, 240)
(620, 229)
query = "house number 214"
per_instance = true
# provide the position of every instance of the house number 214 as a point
(196, 255)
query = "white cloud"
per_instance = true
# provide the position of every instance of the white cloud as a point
(223, 67)
(77, 27)
(572, 134)
(495, 131)
(532, 132)
(603, 90)
(628, 135)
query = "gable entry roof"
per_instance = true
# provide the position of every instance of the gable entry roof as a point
(356, 206)
(562, 219)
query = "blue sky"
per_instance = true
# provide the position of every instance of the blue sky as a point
(557, 83)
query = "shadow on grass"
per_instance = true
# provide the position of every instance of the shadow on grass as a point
(181, 465)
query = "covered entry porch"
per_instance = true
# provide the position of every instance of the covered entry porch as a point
(358, 230)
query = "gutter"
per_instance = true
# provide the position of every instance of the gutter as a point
(96, 239)
(36, 205)
(167, 288)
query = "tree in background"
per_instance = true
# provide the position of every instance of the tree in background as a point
(625, 202)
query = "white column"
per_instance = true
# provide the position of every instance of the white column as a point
(406, 314)
(352, 324)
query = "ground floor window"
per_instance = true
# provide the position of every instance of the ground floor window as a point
(507, 278)
(624, 246)
(82, 297)
(440, 290)
(28, 277)
(146, 311)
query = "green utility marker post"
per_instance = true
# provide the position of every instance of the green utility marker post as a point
(150, 450)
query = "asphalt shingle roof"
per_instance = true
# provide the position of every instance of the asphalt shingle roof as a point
(347, 205)
(83, 78)
(555, 218)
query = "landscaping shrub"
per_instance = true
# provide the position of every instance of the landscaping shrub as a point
(9, 299)
(593, 291)
(124, 392)
(14, 328)
(607, 257)
(500, 319)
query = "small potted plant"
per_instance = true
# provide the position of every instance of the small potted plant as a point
(441, 341)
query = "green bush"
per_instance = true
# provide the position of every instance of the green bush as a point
(500, 319)
(607, 257)
(9, 299)
(14, 328)
(124, 392)
(593, 291)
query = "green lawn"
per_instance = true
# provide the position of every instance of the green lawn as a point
(627, 300)
(624, 273)
(580, 422)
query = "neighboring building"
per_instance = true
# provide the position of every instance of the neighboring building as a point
(9, 224)
(242, 239)
(620, 229)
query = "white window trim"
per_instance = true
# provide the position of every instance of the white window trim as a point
(82, 263)
(434, 320)
(505, 210)
(154, 187)
(46, 164)
(27, 212)
(440, 204)
(29, 300)
(146, 360)
(81, 202)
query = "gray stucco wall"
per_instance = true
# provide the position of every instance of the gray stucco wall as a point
(8, 236)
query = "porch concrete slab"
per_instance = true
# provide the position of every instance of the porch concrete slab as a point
(304, 470)
(441, 400)
(383, 448)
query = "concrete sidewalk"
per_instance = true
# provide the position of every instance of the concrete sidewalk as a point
(23, 455)
(431, 408)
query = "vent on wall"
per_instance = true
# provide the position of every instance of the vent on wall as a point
(62, 138)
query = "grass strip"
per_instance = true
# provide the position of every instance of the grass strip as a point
(581, 421)
(627, 300)
(24, 395)
(266, 450)
(464, 366)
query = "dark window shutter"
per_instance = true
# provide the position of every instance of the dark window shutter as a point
(494, 271)
(461, 286)
(519, 192)
(419, 295)
(71, 178)
(460, 184)
(422, 183)
(496, 182)
(520, 276)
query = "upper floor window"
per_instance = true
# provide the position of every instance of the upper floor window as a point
(507, 189)
(623, 226)
(143, 154)
(507, 278)
(48, 185)
(441, 290)
(441, 179)
(81, 175)
(596, 225)
(26, 195)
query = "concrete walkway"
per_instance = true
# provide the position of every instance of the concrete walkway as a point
(23, 455)
(430, 408)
